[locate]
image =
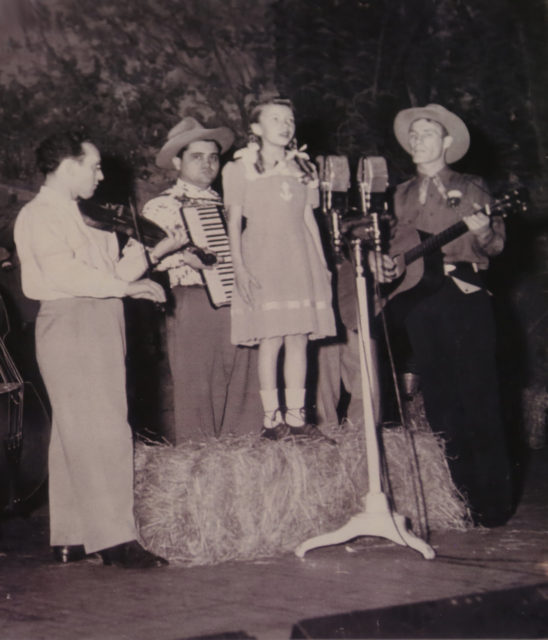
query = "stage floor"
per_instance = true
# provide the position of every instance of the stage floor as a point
(274, 599)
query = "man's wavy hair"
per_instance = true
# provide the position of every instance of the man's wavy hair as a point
(58, 146)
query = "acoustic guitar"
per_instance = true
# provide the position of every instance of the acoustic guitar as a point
(421, 265)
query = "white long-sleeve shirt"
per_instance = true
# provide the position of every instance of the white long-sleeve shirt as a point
(63, 257)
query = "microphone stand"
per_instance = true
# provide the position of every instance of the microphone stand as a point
(331, 213)
(377, 518)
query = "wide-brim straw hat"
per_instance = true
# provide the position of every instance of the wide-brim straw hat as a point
(454, 125)
(187, 131)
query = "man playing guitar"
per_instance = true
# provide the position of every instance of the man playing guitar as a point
(451, 329)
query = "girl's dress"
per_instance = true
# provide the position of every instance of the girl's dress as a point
(280, 251)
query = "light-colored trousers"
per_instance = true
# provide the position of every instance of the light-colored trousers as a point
(80, 347)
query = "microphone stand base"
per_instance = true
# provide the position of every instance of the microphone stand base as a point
(376, 520)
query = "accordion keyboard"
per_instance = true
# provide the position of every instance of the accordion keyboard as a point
(206, 228)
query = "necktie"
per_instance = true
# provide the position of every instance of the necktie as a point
(423, 188)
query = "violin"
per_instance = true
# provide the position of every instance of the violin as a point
(120, 219)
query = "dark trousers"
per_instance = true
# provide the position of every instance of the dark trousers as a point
(215, 384)
(452, 336)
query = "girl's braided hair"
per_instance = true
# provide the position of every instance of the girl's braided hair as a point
(304, 165)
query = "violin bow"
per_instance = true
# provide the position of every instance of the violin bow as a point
(161, 306)
(138, 234)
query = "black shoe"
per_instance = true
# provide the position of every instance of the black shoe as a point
(131, 555)
(491, 520)
(390, 424)
(279, 432)
(69, 553)
(310, 431)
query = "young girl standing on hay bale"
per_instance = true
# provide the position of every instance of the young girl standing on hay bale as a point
(283, 286)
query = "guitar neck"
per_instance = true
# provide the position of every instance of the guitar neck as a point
(435, 242)
(515, 200)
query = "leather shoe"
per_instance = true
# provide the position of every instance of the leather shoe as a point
(310, 431)
(491, 518)
(279, 432)
(131, 555)
(69, 553)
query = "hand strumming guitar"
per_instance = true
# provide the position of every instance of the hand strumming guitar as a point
(383, 267)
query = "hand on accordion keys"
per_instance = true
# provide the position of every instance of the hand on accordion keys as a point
(198, 258)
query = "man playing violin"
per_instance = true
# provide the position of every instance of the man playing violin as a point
(450, 326)
(77, 274)
(215, 387)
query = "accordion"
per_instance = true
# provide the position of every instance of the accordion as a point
(206, 228)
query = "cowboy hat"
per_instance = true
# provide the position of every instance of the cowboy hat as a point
(187, 131)
(453, 124)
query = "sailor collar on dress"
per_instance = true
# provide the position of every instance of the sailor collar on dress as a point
(285, 167)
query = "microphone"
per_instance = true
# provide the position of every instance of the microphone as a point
(335, 171)
(372, 176)
(334, 174)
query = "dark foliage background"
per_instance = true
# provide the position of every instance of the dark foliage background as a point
(131, 70)
(351, 66)
(128, 71)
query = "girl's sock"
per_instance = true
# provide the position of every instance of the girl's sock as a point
(272, 414)
(295, 414)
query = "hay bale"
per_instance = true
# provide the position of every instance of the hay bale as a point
(429, 495)
(241, 498)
